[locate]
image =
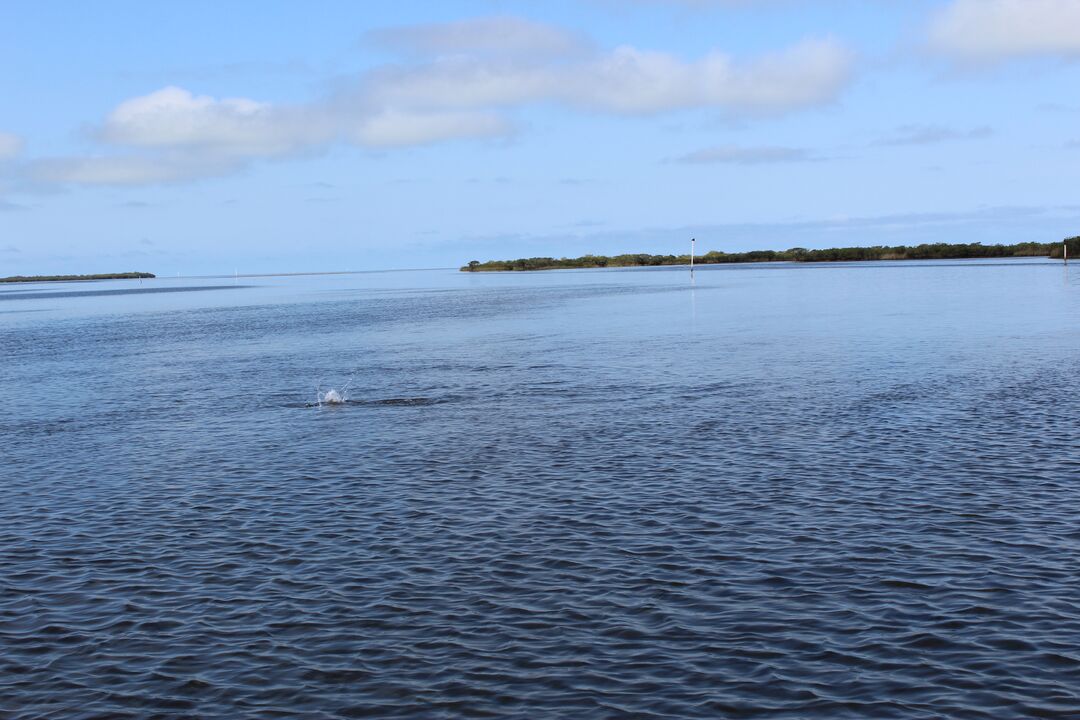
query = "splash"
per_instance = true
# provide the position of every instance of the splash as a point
(332, 396)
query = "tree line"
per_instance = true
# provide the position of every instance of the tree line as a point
(926, 251)
(62, 278)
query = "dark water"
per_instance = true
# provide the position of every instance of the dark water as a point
(785, 492)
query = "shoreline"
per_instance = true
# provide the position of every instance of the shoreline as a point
(77, 278)
(936, 251)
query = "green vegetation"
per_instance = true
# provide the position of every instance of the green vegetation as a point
(66, 278)
(936, 251)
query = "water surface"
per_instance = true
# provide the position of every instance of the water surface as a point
(827, 491)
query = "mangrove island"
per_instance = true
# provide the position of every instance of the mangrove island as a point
(935, 251)
(72, 278)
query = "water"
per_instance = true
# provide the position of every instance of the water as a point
(839, 491)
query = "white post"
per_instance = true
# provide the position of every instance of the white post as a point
(1065, 251)
(691, 254)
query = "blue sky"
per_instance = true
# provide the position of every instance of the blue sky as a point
(206, 137)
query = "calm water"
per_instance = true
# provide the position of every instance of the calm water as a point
(840, 491)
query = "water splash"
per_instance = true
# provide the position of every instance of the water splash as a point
(332, 396)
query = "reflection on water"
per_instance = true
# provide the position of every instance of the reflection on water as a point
(787, 492)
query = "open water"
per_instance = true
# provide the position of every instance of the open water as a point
(821, 491)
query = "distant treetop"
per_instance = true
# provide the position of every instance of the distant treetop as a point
(934, 251)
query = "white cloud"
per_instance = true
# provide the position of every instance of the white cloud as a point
(455, 83)
(470, 76)
(627, 80)
(397, 128)
(174, 117)
(10, 145)
(736, 155)
(981, 30)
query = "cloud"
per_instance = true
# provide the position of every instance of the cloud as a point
(932, 134)
(399, 128)
(175, 118)
(463, 80)
(131, 170)
(736, 155)
(172, 135)
(626, 80)
(988, 30)
(10, 145)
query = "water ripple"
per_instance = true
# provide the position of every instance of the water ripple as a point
(511, 523)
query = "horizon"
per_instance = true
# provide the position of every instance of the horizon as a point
(701, 254)
(493, 130)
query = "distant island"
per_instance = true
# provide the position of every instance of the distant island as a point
(935, 251)
(67, 278)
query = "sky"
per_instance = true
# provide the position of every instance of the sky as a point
(219, 137)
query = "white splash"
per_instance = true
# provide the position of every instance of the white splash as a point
(332, 397)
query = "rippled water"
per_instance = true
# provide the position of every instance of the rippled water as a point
(840, 491)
